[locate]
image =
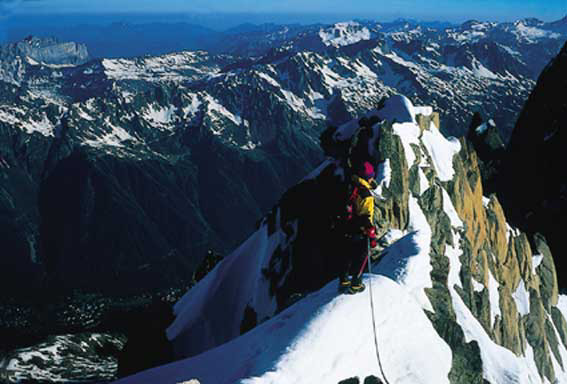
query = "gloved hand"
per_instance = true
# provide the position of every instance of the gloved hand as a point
(371, 233)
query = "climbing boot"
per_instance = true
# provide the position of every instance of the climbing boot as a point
(356, 286)
(344, 285)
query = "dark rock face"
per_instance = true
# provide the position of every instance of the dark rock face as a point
(534, 181)
(372, 380)
(490, 149)
(141, 224)
(20, 170)
(352, 380)
(147, 346)
(94, 223)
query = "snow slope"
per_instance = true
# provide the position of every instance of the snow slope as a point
(210, 313)
(407, 260)
(332, 332)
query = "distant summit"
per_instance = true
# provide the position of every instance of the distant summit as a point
(345, 33)
(46, 50)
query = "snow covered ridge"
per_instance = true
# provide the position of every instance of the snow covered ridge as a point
(532, 33)
(272, 312)
(332, 333)
(526, 31)
(171, 67)
(119, 133)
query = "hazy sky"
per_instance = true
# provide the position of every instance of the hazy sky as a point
(446, 10)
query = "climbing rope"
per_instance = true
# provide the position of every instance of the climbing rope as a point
(374, 318)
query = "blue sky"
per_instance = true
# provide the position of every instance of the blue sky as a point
(446, 10)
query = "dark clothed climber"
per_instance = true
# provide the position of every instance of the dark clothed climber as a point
(359, 229)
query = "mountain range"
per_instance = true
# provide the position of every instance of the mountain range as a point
(118, 176)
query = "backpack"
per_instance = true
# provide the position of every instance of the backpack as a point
(343, 220)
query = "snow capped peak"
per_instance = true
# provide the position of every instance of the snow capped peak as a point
(396, 108)
(531, 21)
(530, 31)
(345, 33)
(470, 31)
(400, 109)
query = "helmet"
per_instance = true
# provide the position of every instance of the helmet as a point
(367, 171)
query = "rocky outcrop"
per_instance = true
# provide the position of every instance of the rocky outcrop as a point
(505, 257)
(497, 264)
(47, 51)
(489, 146)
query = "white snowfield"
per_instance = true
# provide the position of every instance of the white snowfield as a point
(325, 338)
(407, 261)
(342, 34)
